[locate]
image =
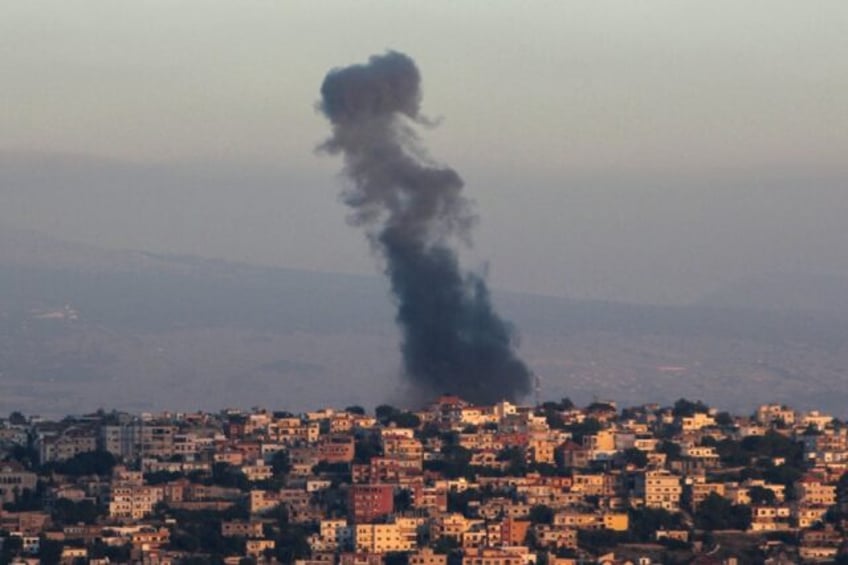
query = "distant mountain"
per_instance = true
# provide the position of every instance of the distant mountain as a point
(82, 327)
(819, 293)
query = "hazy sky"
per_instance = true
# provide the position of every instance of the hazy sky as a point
(648, 151)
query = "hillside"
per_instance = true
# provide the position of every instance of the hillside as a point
(82, 327)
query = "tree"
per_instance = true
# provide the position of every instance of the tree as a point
(161, 477)
(88, 463)
(355, 409)
(281, 462)
(226, 475)
(396, 558)
(455, 462)
(384, 413)
(644, 522)
(686, 408)
(724, 419)
(115, 553)
(67, 512)
(407, 420)
(517, 460)
(445, 545)
(635, 457)
(600, 540)
(458, 501)
(10, 547)
(365, 448)
(26, 456)
(541, 514)
(587, 427)
(672, 451)
(761, 496)
(49, 552)
(17, 419)
(718, 513)
(292, 543)
(402, 500)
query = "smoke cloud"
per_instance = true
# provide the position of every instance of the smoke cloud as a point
(412, 210)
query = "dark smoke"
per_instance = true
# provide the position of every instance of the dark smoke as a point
(453, 340)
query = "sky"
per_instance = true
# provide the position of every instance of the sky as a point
(647, 151)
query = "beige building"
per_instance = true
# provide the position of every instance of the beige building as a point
(696, 421)
(241, 529)
(659, 489)
(773, 413)
(14, 479)
(382, 538)
(259, 471)
(336, 534)
(256, 547)
(69, 442)
(812, 491)
(770, 518)
(134, 502)
(493, 556)
(617, 521)
(426, 556)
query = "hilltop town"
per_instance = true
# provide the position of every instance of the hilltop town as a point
(450, 484)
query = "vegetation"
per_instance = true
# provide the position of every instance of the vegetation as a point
(686, 408)
(88, 463)
(718, 513)
(68, 512)
(387, 415)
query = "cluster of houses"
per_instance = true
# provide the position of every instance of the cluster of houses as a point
(453, 483)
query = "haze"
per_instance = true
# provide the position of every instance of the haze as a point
(640, 151)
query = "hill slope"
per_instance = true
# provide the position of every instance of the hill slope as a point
(82, 327)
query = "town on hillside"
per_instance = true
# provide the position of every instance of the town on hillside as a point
(450, 484)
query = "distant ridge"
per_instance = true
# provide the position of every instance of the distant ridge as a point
(82, 327)
(817, 293)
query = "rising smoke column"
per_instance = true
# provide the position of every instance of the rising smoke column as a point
(453, 340)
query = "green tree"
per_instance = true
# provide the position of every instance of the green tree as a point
(761, 496)
(724, 419)
(281, 462)
(226, 475)
(455, 462)
(718, 513)
(402, 500)
(17, 419)
(396, 558)
(587, 427)
(161, 477)
(541, 514)
(672, 451)
(635, 457)
(11, 547)
(68, 512)
(644, 522)
(384, 413)
(292, 543)
(49, 552)
(365, 448)
(407, 420)
(516, 458)
(82, 464)
(459, 501)
(685, 408)
(445, 545)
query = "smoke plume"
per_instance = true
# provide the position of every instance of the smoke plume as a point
(412, 210)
